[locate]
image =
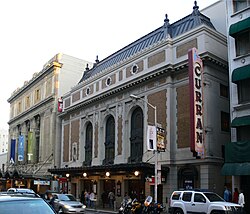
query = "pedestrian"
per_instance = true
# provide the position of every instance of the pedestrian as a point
(104, 196)
(82, 197)
(241, 201)
(51, 199)
(236, 196)
(126, 197)
(92, 199)
(111, 197)
(87, 194)
(227, 194)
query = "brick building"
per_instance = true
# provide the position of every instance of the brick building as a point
(104, 129)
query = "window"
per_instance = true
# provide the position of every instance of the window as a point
(88, 144)
(136, 139)
(27, 102)
(240, 4)
(176, 196)
(243, 91)
(19, 107)
(199, 198)
(225, 121)
(108, 81)
(242, 42)
(110, 141)
(88, 91)
(37, 95)
(134, 69)
(187, 196)
(223, 90)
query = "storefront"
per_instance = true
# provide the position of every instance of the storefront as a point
(120, 178)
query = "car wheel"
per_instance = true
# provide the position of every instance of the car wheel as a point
(60, 211)
(178, 211)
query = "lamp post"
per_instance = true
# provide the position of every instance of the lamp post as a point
(155, 151)
(67, 176)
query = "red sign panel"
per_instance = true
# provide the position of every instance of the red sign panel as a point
(196, 103)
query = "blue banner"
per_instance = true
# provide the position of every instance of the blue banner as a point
(20, 148)
(12, 150)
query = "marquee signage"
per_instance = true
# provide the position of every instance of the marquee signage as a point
(196, 103)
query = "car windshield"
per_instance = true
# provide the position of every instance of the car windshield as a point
(67, 198)
(213, 197)
(25, 207)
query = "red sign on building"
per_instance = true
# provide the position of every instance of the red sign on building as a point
(196, 103)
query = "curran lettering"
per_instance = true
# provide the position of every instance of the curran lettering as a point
(196, 105)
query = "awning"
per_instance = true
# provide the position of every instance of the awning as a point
(239, 26)
(122, 168)
(236, 169)
(237, 158)
(241, 73)
(241, 121)
(237, 152)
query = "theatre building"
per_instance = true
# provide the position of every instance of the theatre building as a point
(104, 142)
(32, 123)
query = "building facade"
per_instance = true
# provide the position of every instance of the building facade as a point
(237, 152)
(3, 155)
(33, 125)
(105, 117)
(3, 141)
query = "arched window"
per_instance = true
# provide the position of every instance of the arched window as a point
(88, 144)
(136, 139)
(110, 141)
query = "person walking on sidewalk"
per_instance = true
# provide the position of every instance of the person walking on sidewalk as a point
(111, 197)
(241, 200)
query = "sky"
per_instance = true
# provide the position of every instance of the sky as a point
(33, 31)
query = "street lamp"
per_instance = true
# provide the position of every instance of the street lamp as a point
(67, 175)
(155, 151)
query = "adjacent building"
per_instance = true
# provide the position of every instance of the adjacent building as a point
(105, 143)
(33, 127)
(3, 141)
(3, 155)
(237, 152)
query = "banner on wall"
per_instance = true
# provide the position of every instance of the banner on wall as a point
(161, 139)
(12, 150)
(151, 138)
(20, 156)
(31, 143)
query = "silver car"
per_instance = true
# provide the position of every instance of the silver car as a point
(67, 203)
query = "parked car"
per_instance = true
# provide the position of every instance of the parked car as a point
(190, 201)
(67, 203)
(23, 190)
(23, 203)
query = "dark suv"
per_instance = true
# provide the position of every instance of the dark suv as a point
(28, 203)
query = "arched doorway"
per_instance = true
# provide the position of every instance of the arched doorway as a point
(187, 177)
(136, 139)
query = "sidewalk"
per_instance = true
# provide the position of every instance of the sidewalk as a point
(102, 210)
(109, 210)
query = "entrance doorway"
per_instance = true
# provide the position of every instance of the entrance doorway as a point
(159, 192)
(87, 185)
(136, 190)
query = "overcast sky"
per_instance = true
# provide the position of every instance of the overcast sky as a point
(33, 31)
